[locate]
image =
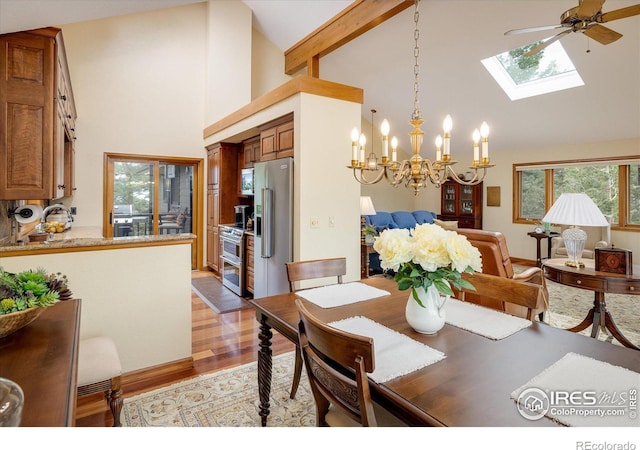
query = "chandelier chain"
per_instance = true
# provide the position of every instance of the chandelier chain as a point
(417, 172)
(416, 67)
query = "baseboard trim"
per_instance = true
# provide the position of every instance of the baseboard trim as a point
(145, 374)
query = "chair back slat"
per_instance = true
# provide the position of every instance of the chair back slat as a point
(316, 268)
(506, 290)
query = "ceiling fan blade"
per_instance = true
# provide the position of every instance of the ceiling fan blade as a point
(529, 30)
(589, 8)
(546, 43)
(619, 14)
(602, 34)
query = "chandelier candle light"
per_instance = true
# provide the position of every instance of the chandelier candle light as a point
(415, 171)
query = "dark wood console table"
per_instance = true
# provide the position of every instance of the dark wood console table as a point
(43, 359)
(601, 283)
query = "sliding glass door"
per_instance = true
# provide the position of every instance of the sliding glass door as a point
(150, 196)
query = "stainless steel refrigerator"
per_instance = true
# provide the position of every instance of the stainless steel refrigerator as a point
(273, 210)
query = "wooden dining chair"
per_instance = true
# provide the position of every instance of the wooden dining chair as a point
(307, 270)
(337, 364)
(504, 291)
(496, 260)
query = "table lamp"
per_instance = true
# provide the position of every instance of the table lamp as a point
(366, 209)
(575, 210)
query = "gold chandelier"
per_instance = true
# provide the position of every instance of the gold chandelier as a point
(416, 171)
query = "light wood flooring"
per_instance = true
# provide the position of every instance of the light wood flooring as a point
(219, 341)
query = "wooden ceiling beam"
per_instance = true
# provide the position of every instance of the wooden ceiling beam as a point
(351, 22)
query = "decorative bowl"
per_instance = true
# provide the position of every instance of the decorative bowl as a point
(10, 323)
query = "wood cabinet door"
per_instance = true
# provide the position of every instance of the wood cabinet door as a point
(284, 140)
(26, 117)
(213, 168)
(268, 146)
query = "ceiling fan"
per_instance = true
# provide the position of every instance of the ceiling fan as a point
(584, 18)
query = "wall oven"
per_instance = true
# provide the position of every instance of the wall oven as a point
(232, 258)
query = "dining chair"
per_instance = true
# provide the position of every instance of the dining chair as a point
(497, 261)
(505, 291)
(337, 364)
(307, 270)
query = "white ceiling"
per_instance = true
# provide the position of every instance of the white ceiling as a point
(455, 36)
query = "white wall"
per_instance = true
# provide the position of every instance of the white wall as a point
(140, 297)
(267, 65)
(326, 190)
(228, 84)
(138, 82)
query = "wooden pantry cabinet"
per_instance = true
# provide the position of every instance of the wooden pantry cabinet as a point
(37, 117)
(222, 195)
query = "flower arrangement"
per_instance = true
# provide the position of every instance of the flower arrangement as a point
(29, 289)
(428, 255)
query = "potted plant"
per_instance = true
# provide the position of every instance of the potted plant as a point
(370, 234)
(24, 295)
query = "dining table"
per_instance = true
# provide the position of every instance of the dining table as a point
(471, 386)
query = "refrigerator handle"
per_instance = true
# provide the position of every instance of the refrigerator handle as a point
(267, 223)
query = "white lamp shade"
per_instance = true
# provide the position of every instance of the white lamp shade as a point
(366, 207)
(575, 209)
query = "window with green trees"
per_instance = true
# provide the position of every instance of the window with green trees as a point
(613, 185)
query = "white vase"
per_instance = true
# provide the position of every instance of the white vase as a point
(430, 319)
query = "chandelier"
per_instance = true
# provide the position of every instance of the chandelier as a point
(416, 171)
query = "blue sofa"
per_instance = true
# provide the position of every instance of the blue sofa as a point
(398, 219)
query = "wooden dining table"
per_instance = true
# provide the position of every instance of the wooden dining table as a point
(471, 387)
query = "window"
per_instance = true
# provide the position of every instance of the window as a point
(613, 184)
(522, 76)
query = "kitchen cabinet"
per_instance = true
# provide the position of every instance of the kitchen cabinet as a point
(461, 203)
(249, 254)
(37, 116)
(250, 152)
(222, 195)
(276, 138)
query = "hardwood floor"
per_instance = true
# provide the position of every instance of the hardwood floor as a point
(219, 341)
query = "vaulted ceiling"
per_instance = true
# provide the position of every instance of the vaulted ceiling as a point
(455, 35)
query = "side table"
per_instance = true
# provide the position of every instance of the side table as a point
(600, 283)
(365, 251)
(539, 237)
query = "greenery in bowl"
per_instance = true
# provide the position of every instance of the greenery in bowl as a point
(29, 289)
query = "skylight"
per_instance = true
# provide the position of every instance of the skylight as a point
(519, 77)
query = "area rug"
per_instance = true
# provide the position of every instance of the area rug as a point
(213, 294)
(227, 398)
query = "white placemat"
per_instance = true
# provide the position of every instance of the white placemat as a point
(341, 294)
(486, 322)
(395, 353)
(601, 394)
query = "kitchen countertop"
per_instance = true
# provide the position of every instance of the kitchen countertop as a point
(90, 238)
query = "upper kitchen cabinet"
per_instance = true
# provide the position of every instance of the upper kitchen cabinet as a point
(37, 117)
(276, 138)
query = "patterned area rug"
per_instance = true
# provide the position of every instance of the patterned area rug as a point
(228, 398)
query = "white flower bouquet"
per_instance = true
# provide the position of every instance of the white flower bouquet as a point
(427, 255)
